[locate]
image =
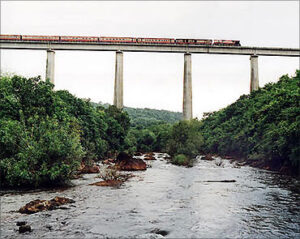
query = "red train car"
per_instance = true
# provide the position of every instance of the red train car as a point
(10, 37)
(39, 38)
(185, 41)
(203, 42)
(122, 40)
(226, 43)
(118, 39)
(79, 39)
(156, 40)
(194, 41)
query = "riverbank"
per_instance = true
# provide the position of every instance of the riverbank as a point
(286, 169)
(178, 202)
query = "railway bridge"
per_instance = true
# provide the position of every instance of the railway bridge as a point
(119, 48)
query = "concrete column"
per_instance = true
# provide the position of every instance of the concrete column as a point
(187, 88)
(50, 66)
(254, 81)
(118, 90)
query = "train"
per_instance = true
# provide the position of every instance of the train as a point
(204, 42)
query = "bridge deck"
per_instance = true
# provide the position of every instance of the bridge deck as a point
(133, 47)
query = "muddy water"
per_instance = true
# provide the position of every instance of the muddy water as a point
(175, 200)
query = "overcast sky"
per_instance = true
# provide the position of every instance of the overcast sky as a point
(155, 80)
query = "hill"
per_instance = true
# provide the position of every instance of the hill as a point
(145, 117)
(141, 118)
(263, 127)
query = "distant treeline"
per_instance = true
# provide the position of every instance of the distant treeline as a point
(143, 117)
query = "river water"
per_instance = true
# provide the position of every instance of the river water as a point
(175, 200)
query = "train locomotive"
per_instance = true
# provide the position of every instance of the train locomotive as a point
(204, 42)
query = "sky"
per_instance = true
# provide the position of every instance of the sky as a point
(155, 80)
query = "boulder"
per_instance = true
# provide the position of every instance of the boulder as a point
(138, 154)
(21, 223)
(108, 161)
(35, 206)
(160, 232)
(207, 157)
(125, 162)
(57, 201)
(108, 183)
(43, 205)
(285, 170)
(149, 156)
(24, 228)
(227, 157)
(91, 168)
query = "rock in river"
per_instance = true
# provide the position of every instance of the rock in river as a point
(207, 157)
(149, 156)
(43, 205)
(108, 183)
(125, 162)
(21, 223)
(89, 168)
(24, 228)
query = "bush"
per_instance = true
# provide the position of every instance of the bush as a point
(182, 160)
(185, 138)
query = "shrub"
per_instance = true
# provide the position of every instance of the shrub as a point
(185, 138)
(38, 145)
(182, 160)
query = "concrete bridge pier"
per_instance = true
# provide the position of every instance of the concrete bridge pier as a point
(254, 80)
(118, 89)
(50, 66)
(187, 88)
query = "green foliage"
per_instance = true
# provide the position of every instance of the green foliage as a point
(36, 146)
(92, 122)
(145, 140)
(185, 138)
(182, 160)
(119, 124)
(45, 134)
(152, 138)
(264, 125)
(149, 131)
(145, 118)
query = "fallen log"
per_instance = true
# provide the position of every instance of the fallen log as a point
(220, 181)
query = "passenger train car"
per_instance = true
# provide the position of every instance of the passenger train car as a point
(205, 42)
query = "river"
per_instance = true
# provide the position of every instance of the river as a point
(170, 199)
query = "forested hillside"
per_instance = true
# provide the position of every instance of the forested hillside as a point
(144, 117)
(141, 118)
(263, 126)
